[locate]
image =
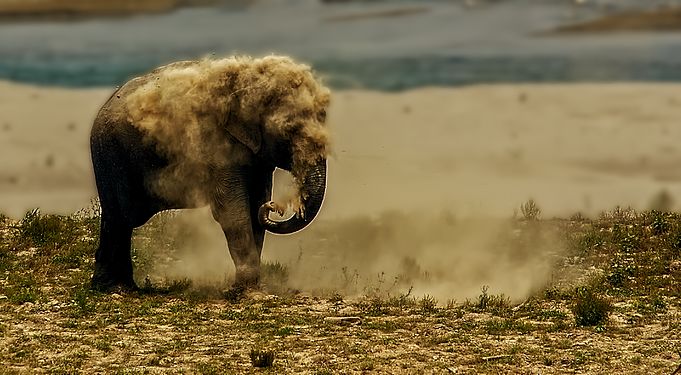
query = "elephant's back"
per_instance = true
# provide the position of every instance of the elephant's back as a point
(115, 111)
(112, 121)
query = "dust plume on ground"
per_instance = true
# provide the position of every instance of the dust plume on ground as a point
(182, 245)
(394, 253)
(432, 254)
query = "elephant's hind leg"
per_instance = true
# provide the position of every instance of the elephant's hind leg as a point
(115, 181)
(113, 261)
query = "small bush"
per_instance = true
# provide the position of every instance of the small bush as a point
(621, 271)
(499, 327)
(495, 304)
(39, 230)
(375, 306)
(46, 230)
(589, 308)
(650, 305)
(428, 304)
(262, 358)
(530, 210)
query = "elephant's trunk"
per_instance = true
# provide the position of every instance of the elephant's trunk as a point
(313, 188)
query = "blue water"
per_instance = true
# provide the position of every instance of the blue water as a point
(352, 45)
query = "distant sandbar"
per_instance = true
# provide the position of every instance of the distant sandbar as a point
(663, 19)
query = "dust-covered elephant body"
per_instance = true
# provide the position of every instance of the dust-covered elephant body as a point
(208, 132)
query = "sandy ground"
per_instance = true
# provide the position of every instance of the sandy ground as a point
(480, 149)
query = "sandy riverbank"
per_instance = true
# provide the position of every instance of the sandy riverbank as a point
(481, 149)
(661, 19)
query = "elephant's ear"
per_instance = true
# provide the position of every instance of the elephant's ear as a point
(248, 134)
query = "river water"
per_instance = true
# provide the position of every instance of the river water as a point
(383, 45)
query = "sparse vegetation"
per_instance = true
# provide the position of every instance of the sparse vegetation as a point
(618, 279)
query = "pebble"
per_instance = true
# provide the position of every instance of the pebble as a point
(343, 319)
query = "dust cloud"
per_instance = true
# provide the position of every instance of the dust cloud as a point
(392, 253)
(434, 254)
(182, 245)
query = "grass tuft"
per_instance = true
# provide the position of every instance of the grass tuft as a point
(530, 210)
(274, 274)
(485, 302)
(428, 304)
(261, 358)
(24, 288)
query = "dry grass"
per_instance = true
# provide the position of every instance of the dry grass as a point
(51, 322)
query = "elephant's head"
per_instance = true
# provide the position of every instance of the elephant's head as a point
(282, 110)
(273, 105)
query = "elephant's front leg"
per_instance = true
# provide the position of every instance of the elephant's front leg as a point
(231, 208)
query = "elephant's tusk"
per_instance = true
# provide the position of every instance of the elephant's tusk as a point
(266, 209)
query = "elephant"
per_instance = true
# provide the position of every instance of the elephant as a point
(208, 132)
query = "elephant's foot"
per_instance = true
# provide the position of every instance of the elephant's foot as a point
(112, 286)
(247, 277)
(246, 281)
(235, 293)
(108, 282)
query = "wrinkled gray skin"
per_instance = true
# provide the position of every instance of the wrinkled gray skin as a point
(238, 190)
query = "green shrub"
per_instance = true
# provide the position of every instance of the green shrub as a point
(589, 308)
